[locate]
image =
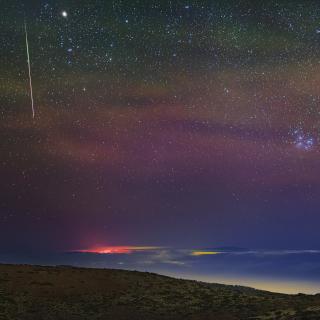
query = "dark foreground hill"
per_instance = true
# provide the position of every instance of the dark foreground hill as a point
(66, 293)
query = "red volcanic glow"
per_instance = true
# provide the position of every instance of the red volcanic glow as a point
(117, 249)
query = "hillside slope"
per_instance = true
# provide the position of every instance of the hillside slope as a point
(58, 293)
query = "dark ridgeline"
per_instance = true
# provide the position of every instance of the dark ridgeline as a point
(65, 292)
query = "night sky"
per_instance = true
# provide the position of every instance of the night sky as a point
(160, 123)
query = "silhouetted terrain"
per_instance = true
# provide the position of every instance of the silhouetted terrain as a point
(58, 293)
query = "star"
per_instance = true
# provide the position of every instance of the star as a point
(64, 14)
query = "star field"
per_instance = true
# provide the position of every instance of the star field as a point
(157, 119)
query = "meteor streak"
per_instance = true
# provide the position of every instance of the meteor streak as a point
(29, 69)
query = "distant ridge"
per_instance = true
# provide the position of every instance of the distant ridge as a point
(228, 249)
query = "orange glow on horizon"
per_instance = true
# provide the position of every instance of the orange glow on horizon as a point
(117, 249)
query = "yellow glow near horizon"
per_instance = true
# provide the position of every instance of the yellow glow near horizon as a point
(203, 253)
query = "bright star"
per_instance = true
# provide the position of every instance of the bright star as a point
(64, 14)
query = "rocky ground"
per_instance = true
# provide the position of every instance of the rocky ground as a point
(58, 293)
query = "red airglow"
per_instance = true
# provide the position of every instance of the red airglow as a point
(116, 249)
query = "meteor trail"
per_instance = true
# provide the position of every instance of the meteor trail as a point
(29, 69)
